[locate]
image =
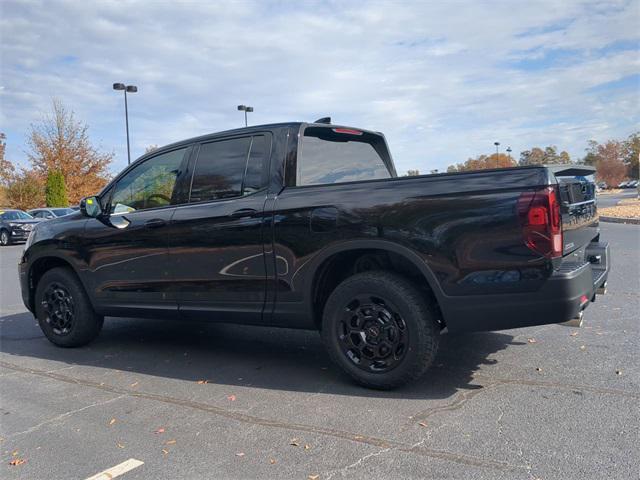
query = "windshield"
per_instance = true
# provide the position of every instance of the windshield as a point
(61, 212)
(15, 215)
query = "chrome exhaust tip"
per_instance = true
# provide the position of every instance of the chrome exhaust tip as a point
(602, 289)
(574, 322)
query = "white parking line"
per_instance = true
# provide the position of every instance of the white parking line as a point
(118, 470)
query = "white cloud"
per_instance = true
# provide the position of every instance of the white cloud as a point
(443, 80)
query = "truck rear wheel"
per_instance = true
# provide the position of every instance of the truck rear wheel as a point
(379, 328)
(63, 310)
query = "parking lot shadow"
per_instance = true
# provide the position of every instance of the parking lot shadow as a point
(260, 357)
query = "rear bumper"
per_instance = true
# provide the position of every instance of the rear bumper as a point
(567, 292)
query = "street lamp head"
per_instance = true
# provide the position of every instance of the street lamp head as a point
(496, 143)
(118, 86)
(249, 109)
(242, 108)
(509, 149)
(132, 88)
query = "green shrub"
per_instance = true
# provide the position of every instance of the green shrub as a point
(55, 191)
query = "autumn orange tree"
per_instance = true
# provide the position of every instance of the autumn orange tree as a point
(483, 162)
(608, 158)
(59, 142)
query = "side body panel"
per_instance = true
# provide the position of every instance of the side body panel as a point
(461, 230)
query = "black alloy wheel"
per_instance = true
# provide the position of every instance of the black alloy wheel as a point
(59, 308)
(372, 334)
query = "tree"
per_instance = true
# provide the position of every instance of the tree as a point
(483, 162)
(25, 191)
(150, 148)
(591, 158)
(548, 156)
(631, 154)
(413, 173)
(7, 170)
(55, 192)
(608, 161)
(61, 143)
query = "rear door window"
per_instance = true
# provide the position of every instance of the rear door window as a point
(337, 155)
(230, 168)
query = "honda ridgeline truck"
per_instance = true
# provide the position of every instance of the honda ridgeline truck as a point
(308, 225)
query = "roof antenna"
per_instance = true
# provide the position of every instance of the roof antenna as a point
(323, 120)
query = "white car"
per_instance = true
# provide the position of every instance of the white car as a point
(48, 213)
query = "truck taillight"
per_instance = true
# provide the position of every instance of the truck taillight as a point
(539, 214)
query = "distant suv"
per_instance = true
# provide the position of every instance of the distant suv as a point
(15, 226)
(48, 213)
(308, 226)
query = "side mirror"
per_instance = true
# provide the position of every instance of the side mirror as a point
(90, 207)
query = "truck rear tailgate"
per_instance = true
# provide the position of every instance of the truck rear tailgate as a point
(578, 206)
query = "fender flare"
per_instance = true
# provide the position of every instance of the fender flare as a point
(377, 244)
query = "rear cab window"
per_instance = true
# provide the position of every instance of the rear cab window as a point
(328, 155)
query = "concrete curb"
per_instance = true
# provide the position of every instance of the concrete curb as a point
(633, 221)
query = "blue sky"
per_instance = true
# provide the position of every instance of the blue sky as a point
(443, 80)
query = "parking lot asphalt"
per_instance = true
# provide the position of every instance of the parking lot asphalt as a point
(198, 400)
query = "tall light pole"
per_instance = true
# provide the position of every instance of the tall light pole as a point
(509, 152)
(497, 144)
(245, 109)
(125, 89)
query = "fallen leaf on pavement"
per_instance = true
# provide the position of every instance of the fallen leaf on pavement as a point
(170, 442)
(532, 340)
(294, 442)
(202, 382)
(423, 424)
(618, 372)
(165, 451)
(160, 430)
(272, 461)
(119, 445)
(583, 347)
(574, 334)
(17, 461)
(538, 369)
(307, 446)
(134, 384)
(314, 477)
(240, 454)
(112, 421)
(231, 398)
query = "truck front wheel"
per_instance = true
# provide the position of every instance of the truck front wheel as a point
(64, 311)
(379, 328)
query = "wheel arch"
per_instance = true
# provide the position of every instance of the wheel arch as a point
(337, 263)
(42, 265)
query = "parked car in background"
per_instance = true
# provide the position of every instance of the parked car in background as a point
(309, 226)
(15, 226)
(603, 185)
(48, 213)
(633, 184)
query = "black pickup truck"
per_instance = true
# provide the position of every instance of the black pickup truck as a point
(307, 225)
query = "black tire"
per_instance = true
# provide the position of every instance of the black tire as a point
(408, 329)
(5, 238)
(64, 311)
